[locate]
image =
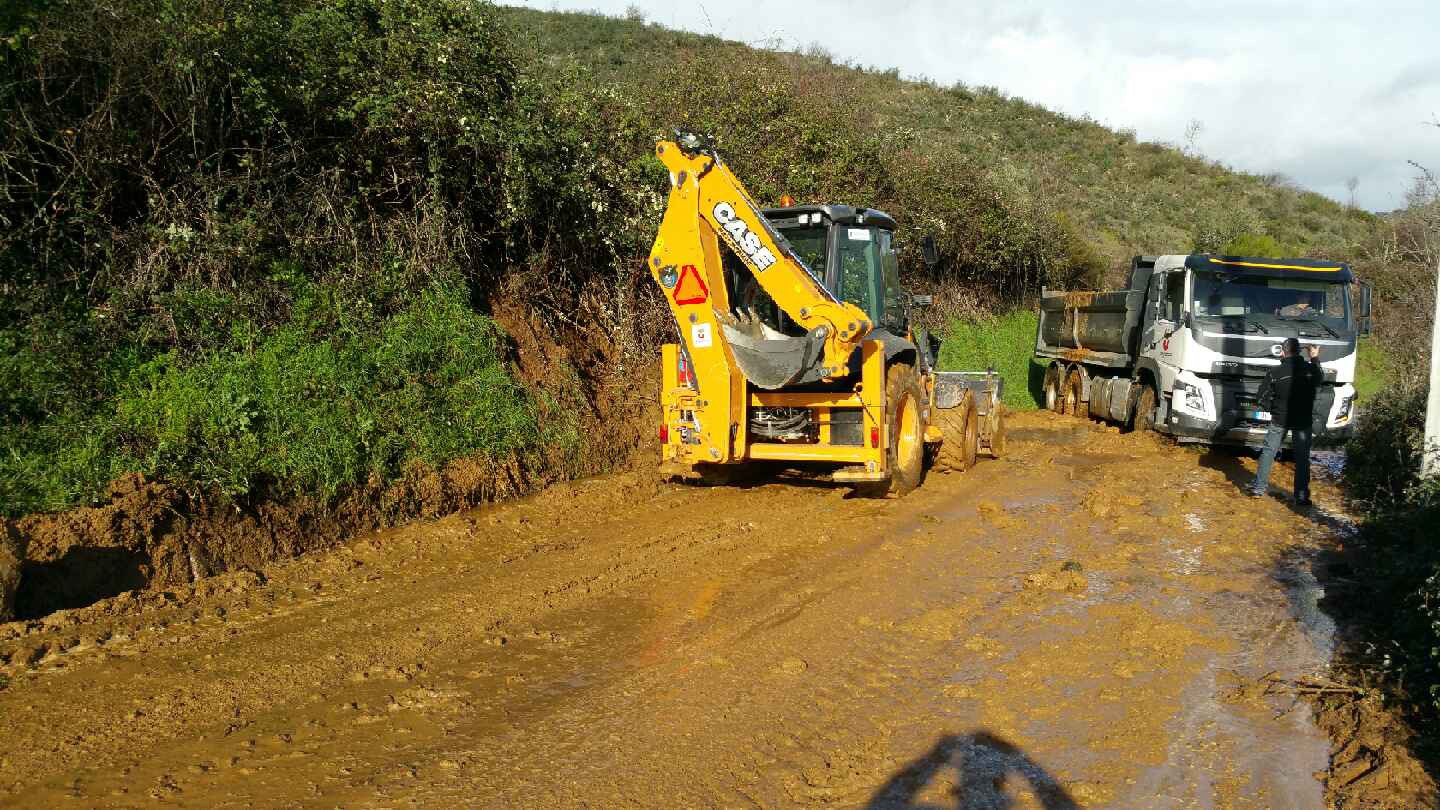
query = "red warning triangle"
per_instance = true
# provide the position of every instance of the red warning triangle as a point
(690, 289)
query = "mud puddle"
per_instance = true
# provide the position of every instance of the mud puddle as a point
(1046, 630)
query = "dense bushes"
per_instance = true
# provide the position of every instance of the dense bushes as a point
(243, 244)
(1005, 343)
(1395, 558)
(288, 412)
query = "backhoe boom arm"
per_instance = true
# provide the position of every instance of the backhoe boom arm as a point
(708, 205)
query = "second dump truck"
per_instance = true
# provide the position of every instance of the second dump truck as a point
(1184, 347)
(796, 342)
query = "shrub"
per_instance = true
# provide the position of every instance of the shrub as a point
(1255, 244)
(297, 412)
(1005, 343)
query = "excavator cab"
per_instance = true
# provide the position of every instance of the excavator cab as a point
(852, 252)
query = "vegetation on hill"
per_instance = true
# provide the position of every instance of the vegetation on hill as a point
(250, 245)
(1117, 196)
(264, 247)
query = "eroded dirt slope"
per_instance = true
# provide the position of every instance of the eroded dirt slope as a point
(1081, 624)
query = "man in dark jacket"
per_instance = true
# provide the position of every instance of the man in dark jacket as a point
(1288, 393)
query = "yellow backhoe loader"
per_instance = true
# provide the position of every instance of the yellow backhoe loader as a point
(795, 340)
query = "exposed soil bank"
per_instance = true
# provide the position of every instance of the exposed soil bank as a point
(154, 536)
(1046, 630)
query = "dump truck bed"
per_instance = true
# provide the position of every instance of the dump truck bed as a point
(1100, 328)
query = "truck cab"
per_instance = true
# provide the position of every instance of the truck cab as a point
(1185, 347)
(1215, 330)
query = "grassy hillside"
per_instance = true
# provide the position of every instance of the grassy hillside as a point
(1121, 196)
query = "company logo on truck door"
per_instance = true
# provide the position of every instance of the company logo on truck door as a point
(744, 238)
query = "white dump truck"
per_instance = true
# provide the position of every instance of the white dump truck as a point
(1183, 349)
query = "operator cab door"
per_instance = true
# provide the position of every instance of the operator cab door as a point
(867, 274)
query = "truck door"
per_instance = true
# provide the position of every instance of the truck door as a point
(1168, 302)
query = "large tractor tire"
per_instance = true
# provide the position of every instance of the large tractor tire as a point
(1144, 420)
(960, 427)
(1075, 403)
(904, 406)
(996, 445)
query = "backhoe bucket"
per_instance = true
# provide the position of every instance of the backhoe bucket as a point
(771, 362)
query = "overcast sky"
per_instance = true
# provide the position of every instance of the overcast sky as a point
(1317, 91)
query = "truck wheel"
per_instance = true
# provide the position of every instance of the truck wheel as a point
(997, 431)
(1145, 409)
(1074, 396)
(1053, 399)
(904, 399)
(960, 426)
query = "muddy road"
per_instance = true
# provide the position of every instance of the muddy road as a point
(1051, 630)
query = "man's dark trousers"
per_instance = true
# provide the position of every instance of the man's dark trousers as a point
(1300, 444)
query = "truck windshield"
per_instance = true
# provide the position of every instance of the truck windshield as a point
(1220, 295)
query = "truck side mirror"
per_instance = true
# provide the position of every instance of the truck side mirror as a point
(921, 300)
(1363, 323)
(932, 254)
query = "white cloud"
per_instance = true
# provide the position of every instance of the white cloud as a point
(1317, 91)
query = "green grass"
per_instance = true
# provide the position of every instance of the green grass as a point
(1372, 369)
(1005, 343)
(299, 411)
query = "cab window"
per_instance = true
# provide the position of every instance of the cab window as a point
(890, 267)
(1174, 297)
(858, 267)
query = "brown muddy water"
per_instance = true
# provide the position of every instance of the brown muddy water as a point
(1081, 624)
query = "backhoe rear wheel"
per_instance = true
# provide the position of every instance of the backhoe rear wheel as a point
(960, 426)
(905, 455)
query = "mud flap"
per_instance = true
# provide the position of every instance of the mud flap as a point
(775, 362)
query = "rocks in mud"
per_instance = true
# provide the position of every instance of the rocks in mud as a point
(1069, 578)
(792, 666)
(12, 556)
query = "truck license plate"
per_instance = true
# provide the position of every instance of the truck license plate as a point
(1260, 416)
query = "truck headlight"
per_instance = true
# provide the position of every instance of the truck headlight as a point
(1342, 414)
(1193, 400)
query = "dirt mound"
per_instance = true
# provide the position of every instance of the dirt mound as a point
(151, 535)
(1370, 761)
(12, 555)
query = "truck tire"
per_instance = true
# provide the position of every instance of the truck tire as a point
(1054, 399)
(960, 426)
(997, 431)
(1144, 409)
(905, 455)
(1075, 396)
